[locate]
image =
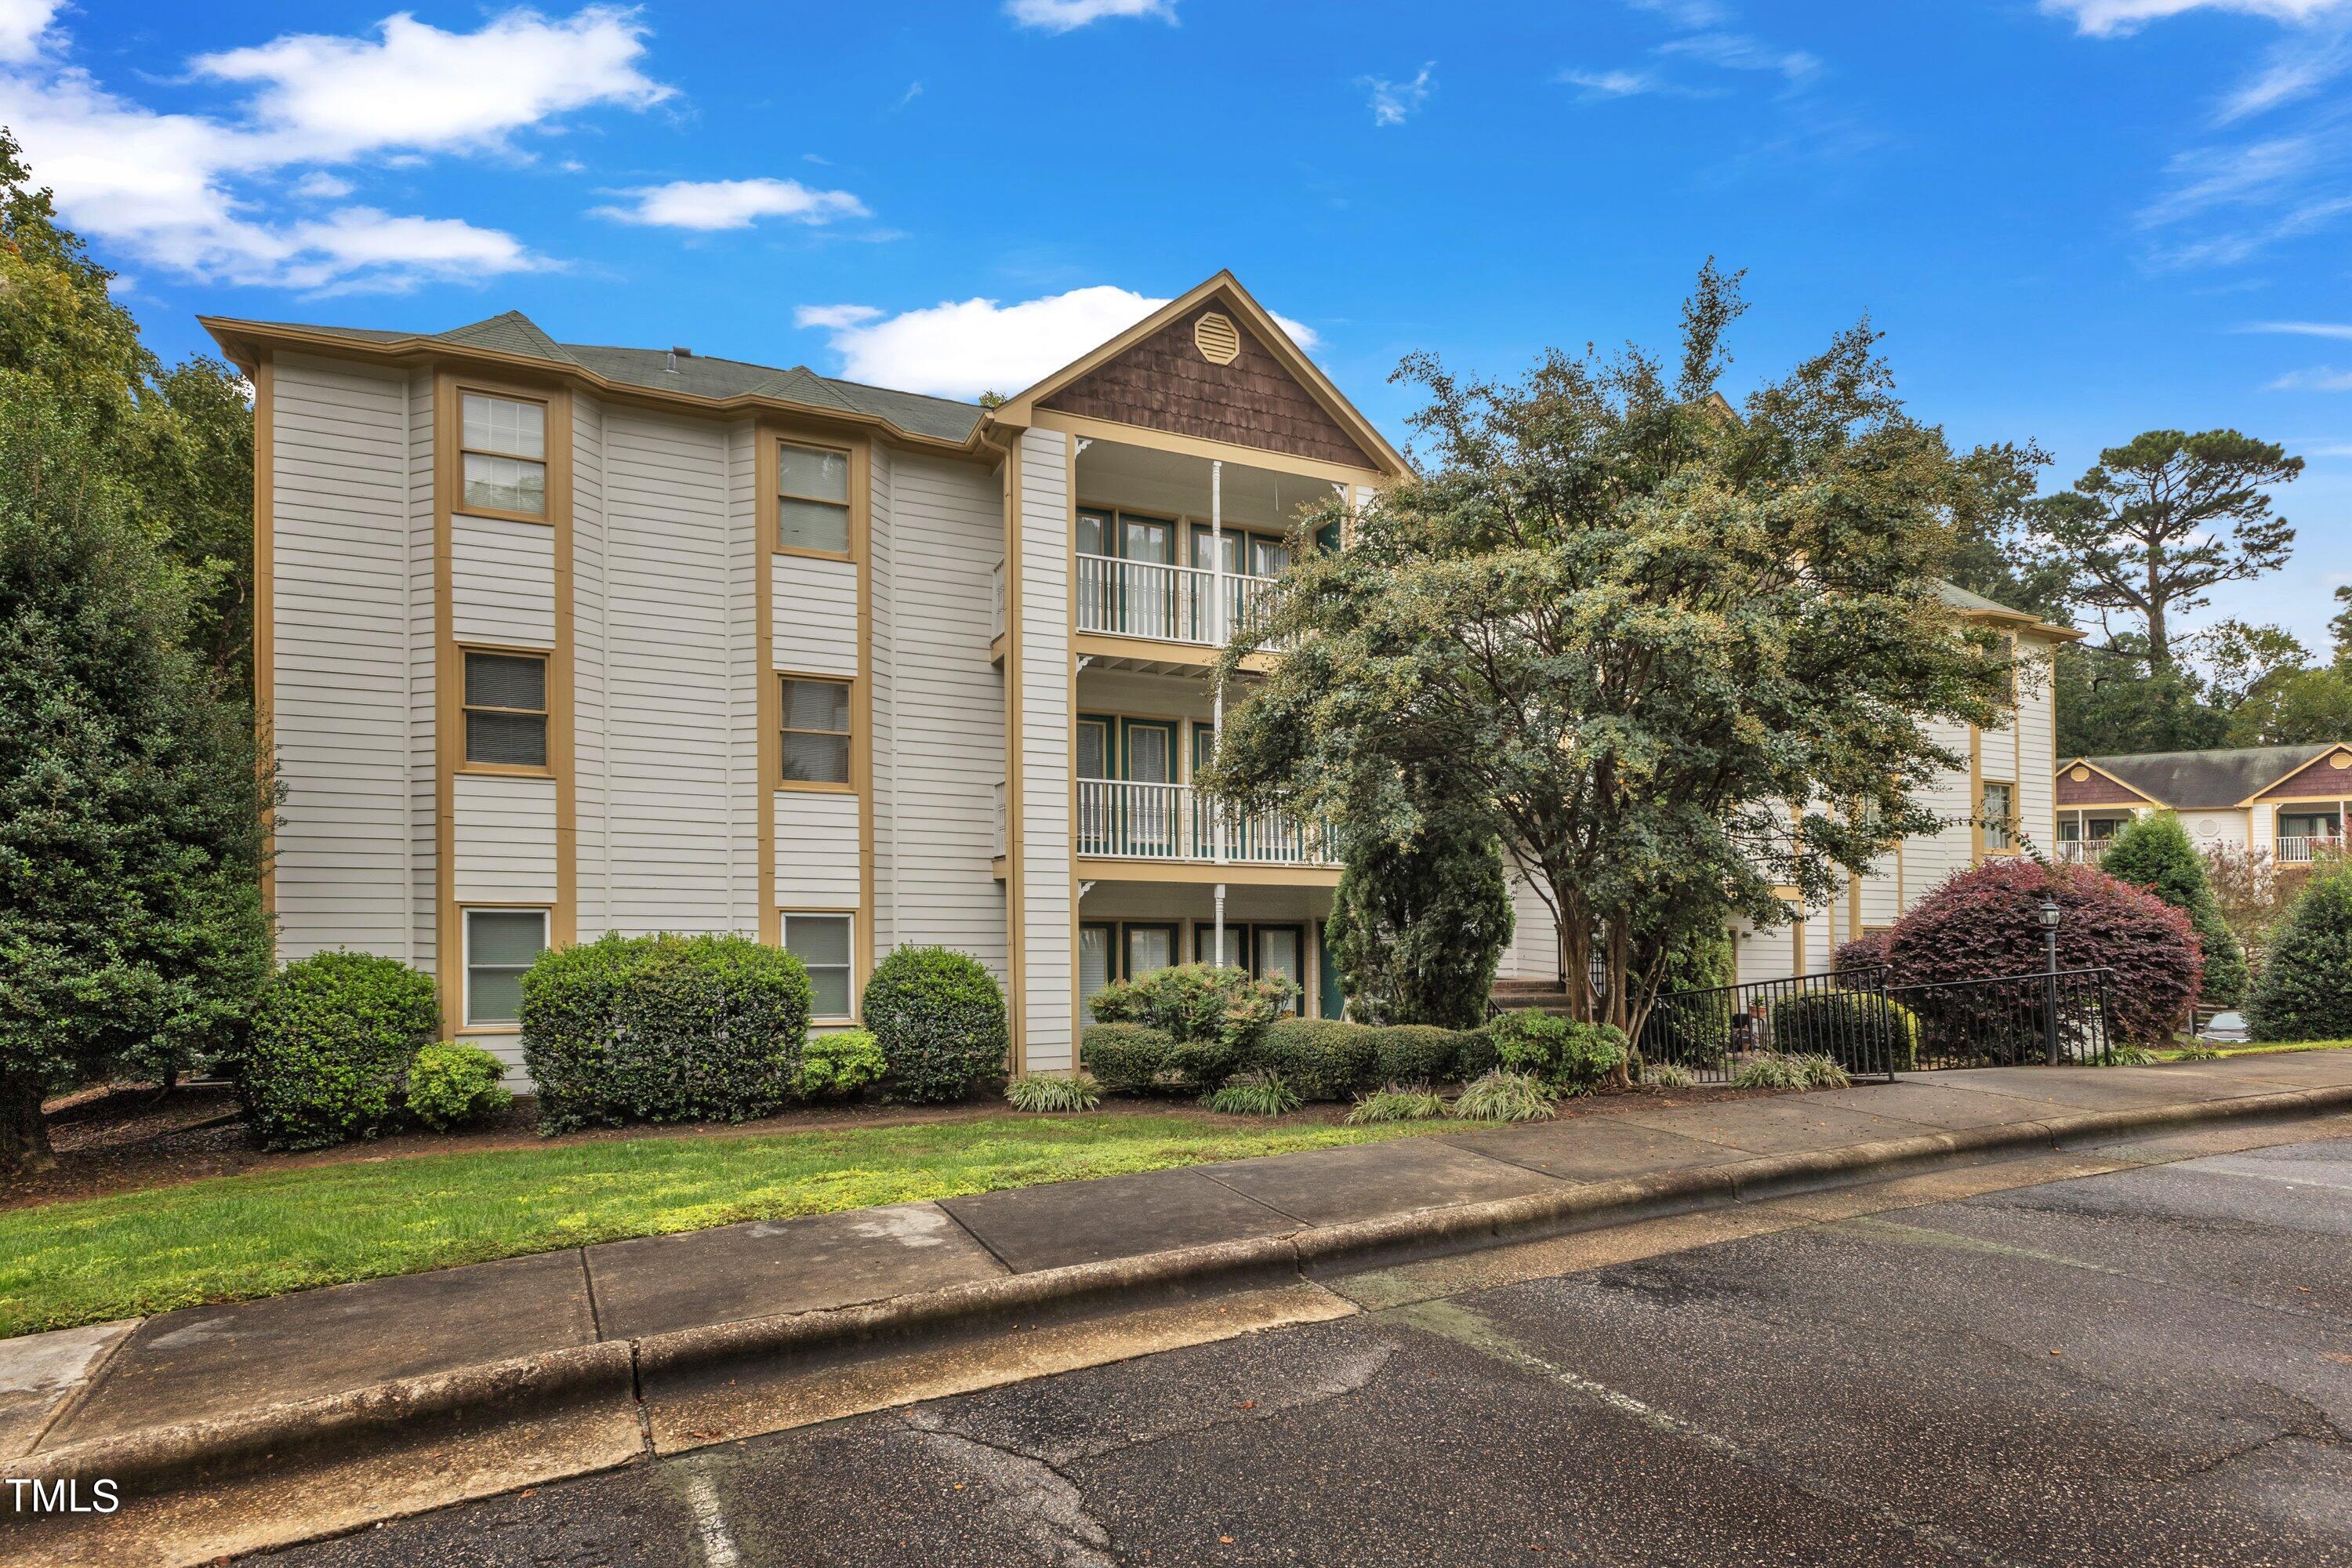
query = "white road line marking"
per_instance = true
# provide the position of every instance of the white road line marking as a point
(710, 1530)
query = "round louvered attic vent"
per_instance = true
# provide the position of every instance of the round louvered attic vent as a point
(1219, 340)
(2082, 776)
(2341, 760)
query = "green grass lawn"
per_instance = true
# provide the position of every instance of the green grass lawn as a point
(235, 1237)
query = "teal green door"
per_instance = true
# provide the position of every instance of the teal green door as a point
(1331, 1004)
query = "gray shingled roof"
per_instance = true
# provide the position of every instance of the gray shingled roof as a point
(2189, 781)
(697, 375)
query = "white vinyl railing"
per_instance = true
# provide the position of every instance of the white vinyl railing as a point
(1167, 604)
(1123, 821)
(2082, 851)
(2303, 851)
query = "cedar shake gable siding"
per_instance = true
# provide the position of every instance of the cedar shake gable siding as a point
(1164, 384)
(2096, 790)
(2318, 778)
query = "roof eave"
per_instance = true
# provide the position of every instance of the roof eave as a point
(242, 341)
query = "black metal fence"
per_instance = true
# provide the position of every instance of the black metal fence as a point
(2010, 1019)
(1875, 1030)
(1844, 1016)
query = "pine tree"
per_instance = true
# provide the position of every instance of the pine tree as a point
(2155, 853)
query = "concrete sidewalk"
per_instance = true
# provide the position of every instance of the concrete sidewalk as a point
(504, 1373)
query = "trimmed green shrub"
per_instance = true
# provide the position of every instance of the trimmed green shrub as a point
(1320, 1058)
(1126, 1058)
(1474, 1055)
(331, 1043)
(1043, 1093)
(2306, 989)
(454, 1085)
(1415, 1053)
(1254, 1093)
(1198, 1005)
(1563, 1053)
(940, 1019)
(1502, 1095)
(1859, 1030)
(839, 1061)
(662, 1029)
(1394, 1104)
(2155, 852)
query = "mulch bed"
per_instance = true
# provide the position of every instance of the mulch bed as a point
(128, 1137)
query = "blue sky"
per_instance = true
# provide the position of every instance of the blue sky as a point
(2074, 219)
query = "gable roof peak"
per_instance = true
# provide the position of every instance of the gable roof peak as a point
(508, 331)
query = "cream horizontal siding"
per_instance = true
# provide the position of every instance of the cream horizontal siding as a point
(1534, 950)
(591, 759)
(339, 620)
(668, 683)
(945, 530)
(1042, 710)
(502, 581)
(816, 850)
(813, 609)
(504, 839)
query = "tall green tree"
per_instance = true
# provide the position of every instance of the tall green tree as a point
(132, 798)
(2162, 520)
(1638, 628)
(2155, 852)
(1992, 526)
(2110, 704)
(2306, 989)
(183, 438)
(1422, 911)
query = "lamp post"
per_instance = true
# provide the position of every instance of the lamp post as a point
(2051, 917)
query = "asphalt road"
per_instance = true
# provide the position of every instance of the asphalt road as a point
(2150, 1368)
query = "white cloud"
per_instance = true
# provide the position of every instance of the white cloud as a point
(24, 29)
(963, 348)
(1065, 16)
(1693, 13)
(417, 87)
(1613, 83)
(731, 204)
(1737, 51)
(2305, 329)
(184, 191)
(2293, 70)
(2319, 378)
(2106, 19)
(1394, 102)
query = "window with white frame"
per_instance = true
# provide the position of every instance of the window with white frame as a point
(2000, 814)
(501, 944)
(822, 943)
(813, 502)
(504, 450)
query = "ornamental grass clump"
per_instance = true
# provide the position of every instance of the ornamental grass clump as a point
(1668, 1075)
(1770, 1069)
(1045, 1093)
(2129, 1056)
(1253, 1093)
(1820, 1071)
(1394, 1104)
(1505, 1096)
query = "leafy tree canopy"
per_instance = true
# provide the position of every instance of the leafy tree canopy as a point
(1638, 627)
(1418, 923)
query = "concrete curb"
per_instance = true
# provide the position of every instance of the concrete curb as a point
(387, 1414)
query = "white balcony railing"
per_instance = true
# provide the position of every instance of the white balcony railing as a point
(1123, 821)
(2303, 851)
(1167, 604)
(2082, 851)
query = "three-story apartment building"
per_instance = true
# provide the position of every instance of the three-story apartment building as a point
(559, 639)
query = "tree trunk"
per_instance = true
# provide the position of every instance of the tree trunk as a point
(2159, 636)
(1620, 961)
(1576, 965)
(23, 1136)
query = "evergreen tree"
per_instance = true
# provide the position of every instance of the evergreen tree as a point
(2155, 852)
(2306, 989)
(131, 799)
(1418, 923)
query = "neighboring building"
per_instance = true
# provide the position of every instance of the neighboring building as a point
(2286, 799)
(559, 640)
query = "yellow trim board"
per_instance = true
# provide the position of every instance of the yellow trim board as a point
(1233, 875)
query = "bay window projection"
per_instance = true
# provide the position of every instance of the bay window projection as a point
(504, 452)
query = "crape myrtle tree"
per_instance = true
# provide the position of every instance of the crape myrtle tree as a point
(1422, 911)
(1638, 627)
